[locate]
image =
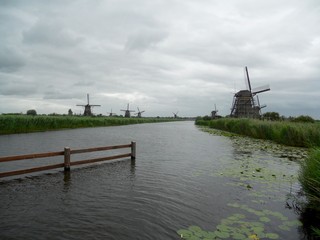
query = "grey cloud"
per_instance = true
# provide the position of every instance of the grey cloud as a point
(144, 39)
(50, 33)
(10, 60)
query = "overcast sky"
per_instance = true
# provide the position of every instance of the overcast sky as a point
(159, 55)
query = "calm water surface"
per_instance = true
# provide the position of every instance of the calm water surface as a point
(183, 180)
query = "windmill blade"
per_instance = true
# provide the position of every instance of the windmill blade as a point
(88, 98)
(261, 89)
(248, 79)
(142, 112)
(258, 101)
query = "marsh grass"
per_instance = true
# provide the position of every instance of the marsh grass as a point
(286, 133)
(309, 177)
(10, 124)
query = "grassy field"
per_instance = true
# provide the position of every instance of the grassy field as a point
(286, 133)
(10, 124)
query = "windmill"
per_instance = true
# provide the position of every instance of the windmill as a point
(139, 113)
(175, 115)
(214, 113)
(111, 113)
(246, 103)
(87, 107)
(127, 112)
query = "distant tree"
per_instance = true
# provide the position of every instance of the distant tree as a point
(303, 118)
(32, 112)
(273, 116)
(70, 113)
(206, 118)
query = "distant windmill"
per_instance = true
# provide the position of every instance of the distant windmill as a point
(87, 107)
(175, 115)
(246, 102)
(111, 113)
(139, 113)
(214, 113)
(127, 112)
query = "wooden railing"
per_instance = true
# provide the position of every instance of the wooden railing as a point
(67, 158)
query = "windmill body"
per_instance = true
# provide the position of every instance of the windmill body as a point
(87, 107)
(127, 113)
(246, 102)
(175, 115)
(214, 113)
(139, 113)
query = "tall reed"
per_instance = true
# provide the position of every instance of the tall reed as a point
(287, 133)
(23, 124)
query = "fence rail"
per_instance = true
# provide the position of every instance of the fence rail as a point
(67, 158)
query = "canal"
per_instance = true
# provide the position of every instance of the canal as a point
(185, 183)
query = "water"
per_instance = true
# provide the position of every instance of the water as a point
(183, 180)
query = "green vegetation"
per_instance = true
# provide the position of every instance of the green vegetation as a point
(295, 134)
(302, 131)
(310, 178)
(10, 124)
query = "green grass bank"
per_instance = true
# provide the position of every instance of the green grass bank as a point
(290, 134)
(10, 124)
(286, 133)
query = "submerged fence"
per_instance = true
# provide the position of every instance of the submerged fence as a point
(67, 158)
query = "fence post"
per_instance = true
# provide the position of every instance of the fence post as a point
(133, 150)
(67, 154)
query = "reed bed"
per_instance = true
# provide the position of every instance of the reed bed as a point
(10, 124)
(286, 133)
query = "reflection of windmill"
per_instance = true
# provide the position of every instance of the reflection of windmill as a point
(87, 108)
(111, 113)
(127, 112)
(246, 102)
(214, 113)
(175, 115)
(139, 113)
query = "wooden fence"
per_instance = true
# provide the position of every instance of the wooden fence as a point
(67, 158)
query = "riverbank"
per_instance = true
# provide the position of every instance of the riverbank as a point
(286, 133)
(11, 124)
(305, 135)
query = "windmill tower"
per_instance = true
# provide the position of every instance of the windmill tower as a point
(139, 113)
(87, 107)
(127, 112)
(214, 113)
(175, 115)
(246, 102)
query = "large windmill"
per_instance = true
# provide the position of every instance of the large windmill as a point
(87, 107)
(139, 113)
(127, 112)
(246, 102)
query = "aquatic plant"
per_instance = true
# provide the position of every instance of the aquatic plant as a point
(249, 224)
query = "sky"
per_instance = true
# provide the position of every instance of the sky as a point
(160, 56)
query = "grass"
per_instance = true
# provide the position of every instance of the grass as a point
(10, 124)
(310, 177)
(286, 133)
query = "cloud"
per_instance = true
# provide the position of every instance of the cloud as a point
(163, 56)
